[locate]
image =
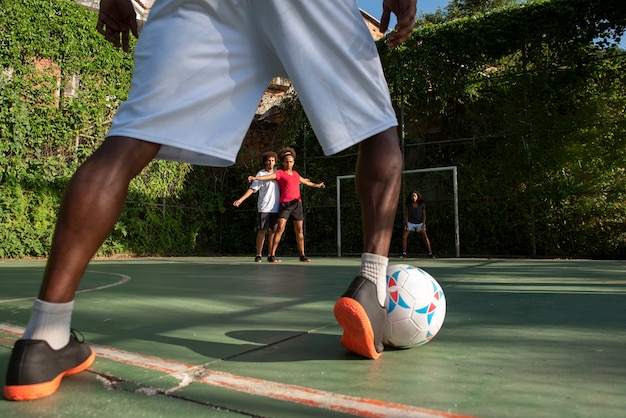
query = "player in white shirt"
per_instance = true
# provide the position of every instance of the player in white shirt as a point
(268, 204)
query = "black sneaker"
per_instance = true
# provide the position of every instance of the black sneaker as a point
(362, 319)
(35, 370)
(403, 255)
(272, 259)
(258, 259)
(431, 255)
(304, 259)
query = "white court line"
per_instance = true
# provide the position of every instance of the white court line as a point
(189, 373)
(124, 279)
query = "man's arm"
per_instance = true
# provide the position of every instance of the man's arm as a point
(246, 195)
(405, 13)
(117, 17)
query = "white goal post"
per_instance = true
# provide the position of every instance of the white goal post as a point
(455, 186)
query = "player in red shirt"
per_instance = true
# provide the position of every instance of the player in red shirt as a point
(289, 181)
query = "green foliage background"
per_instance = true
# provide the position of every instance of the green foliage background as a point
(528, 101)
(46, 135)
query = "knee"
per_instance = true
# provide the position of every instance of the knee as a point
(123, 156)
(384, 143)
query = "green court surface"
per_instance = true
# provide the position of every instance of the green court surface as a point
(227, 337)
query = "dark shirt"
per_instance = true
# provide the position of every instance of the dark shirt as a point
(416, 214)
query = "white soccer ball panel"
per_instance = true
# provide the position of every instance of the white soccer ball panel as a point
(416, 307)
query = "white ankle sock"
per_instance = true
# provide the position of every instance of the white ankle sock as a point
(50, 322)
(374, 269)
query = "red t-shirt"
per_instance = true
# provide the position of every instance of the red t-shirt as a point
(289, 185)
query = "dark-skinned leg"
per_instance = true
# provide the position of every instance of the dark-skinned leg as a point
(92, 204)
(378, 175)
(281, 224)
(360, 310)
(260, 241)
(93, 201)
(298, 229)
(427, 242)
(405, 240)
(270, 239)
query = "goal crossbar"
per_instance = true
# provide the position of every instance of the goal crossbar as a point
(455, 186)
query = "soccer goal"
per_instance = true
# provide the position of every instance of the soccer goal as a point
(348, 202)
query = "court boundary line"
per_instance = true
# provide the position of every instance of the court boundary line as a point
(189, 373)
(124, 278)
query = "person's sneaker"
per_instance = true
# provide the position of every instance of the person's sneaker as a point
(258, 259)
(362, 319)
(403, 255)
(35, 370)
(273, 259)
(431, 255)
(304, 259)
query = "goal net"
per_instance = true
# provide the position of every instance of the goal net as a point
(439, 188)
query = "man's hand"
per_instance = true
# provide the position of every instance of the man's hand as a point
(117, 17)
(405, 13)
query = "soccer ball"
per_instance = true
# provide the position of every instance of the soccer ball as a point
(416, 307)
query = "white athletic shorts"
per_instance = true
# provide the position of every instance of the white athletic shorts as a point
(202, 66)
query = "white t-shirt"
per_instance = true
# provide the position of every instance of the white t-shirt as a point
(269, 193)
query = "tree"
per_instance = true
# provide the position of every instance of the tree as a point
(457, 9)
(464, 8)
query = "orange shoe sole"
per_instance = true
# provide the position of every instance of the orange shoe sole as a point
(41, 390)
(358, 335)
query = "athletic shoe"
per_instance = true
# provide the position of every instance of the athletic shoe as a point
(35, 369)
(403, 255)
(273, 259)
(258, 259)
(431, 255)
(304, 259)
(362, 319)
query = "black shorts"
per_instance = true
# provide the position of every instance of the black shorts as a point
(291, 209)
(268, 220)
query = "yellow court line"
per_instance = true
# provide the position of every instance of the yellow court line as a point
(188, 373)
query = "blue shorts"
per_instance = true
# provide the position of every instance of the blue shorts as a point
(414, 227)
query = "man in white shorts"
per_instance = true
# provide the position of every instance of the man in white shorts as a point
(201, 67)
(268, 204)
